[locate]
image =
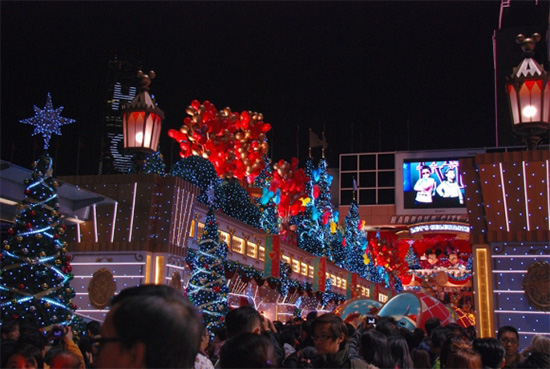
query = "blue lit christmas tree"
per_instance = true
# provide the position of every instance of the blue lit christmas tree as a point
(200, 172)
(151, 164)
(354, 242)
(235, 202)
(311, 232)
(35, 267)
(207, 286)
(270, 220)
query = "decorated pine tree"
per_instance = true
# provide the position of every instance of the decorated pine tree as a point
(200, 172)
(312, 233)
(270, 220)
(35, 267)
(207, 287)
(235, 202)
(151, 164)
(353, 239)
(412, 259)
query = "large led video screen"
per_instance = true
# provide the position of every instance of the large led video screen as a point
(432, 184)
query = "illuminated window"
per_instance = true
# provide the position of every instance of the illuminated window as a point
(310, 273)
(344, 284)
(200, 228)
(192, 229)
(303, 269)
(237, 245)
(285, 259)
(338, 282)
(382, 297)
(295, 266)
(251, 250)
(261, 253)
(224, 237)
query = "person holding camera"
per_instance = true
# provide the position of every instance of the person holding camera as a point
(64, 352)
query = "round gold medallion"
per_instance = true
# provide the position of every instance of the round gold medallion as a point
(536, 285)
(102, 288)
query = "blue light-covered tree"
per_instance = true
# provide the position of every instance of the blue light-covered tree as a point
(151, 164)
(207, 287)
(310, 229)
(412, 259)
(200, 172)
(270, 220)
(353, 242)
(35, 267)
(235, 202)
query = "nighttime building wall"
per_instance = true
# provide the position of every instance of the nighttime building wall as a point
(508, 201)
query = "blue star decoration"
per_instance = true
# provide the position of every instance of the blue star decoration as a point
(47, 121)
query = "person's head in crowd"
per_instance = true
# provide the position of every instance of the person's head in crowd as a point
(491, 351)
(386, 325)
(24, 356)
(142, 327)
(462, 356)
(32, 335)
(65, 360)
(437, 339)
(287, 337)
(311, 315)
(10, 330)
(329, 333)
(93, 328)
(420, 359)
(430, 324)
(243, 319)
(470, 332)
(399, 350)
(536, 360)
(417, 335)
(247, 350)
(540, 343)
(205, 340)
(509, 337)
(373, 348)
(455, 329)
(451, 343)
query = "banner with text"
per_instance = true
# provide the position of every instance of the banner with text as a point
(320, 274)
(272, 256)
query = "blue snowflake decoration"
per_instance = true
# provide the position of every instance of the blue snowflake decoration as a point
(47, 121)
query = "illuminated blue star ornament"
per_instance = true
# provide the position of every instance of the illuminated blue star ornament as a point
(47, 121)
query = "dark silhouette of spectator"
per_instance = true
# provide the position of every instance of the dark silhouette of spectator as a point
(374, 349)
(420, 359)
(246, 319)
(65, 360)
(399, 351)
(437, 339)
(462, 356)
(247, 350)
(456, 330)
(305, 335)
(10, 330)
(150, 326)
(330, 338)
(491, 351)
(509, 337)
(536, 360)
(386, 324)
(429, 326)
(93, 328)
(311, 316)
(23, 355)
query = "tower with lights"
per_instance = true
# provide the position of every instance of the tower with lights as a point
(122, 88)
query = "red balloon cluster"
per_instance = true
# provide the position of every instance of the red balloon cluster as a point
(385, 253)
(291, 182)
(235, 143)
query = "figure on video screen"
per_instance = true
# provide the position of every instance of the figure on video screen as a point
(449, 187)
(425, 186)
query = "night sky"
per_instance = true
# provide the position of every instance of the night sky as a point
(375, 76)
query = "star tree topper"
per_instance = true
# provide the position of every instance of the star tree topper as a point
(47, 121)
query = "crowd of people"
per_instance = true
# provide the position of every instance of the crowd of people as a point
(154, 326)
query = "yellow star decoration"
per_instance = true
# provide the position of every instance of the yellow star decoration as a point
(366, 259)
(305, 200)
